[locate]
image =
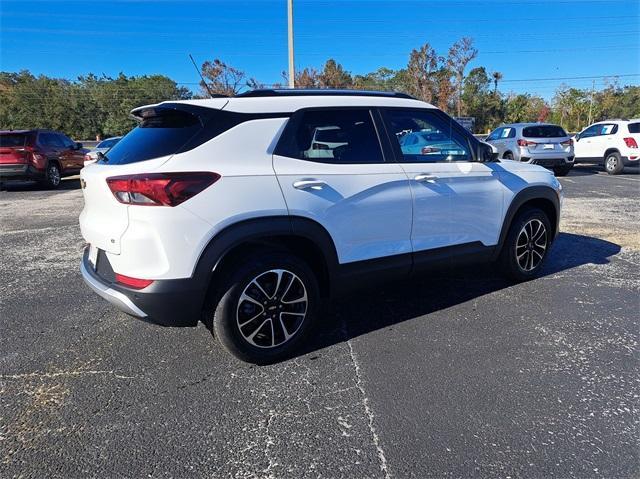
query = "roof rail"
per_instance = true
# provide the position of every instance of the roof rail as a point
(268, 92)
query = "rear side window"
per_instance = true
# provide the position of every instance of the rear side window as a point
(609, 129)
(50, 139)
(543, 131)
(634, 127)
(9, 140)
(334, 136)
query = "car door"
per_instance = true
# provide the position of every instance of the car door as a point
(605, 140)
(495, 138)
(52, 147)
(346, 184)
(586, 146)
(73, 156)
(456, 201)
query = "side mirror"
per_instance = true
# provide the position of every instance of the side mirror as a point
(577, 137)
(488, 152)
(78, 146)
(100, 156)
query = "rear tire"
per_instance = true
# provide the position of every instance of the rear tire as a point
(267, 307)
(526, 245)
(613, 163)
(562, 170)
(52, 177)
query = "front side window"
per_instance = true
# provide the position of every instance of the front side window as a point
(593, 130)
(66, 141)
(495, 134)
(336, 136)
(425, 138)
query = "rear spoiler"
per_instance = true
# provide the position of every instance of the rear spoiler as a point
(149, 111)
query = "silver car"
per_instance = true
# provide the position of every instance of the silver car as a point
(101, 147)
(538, 143)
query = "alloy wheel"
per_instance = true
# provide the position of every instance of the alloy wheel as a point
(612, 162)
(531, 245)
(54, 175)
(272, 308)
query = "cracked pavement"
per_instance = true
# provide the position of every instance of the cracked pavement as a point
(456, 374)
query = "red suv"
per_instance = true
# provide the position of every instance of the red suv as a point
(41, 155)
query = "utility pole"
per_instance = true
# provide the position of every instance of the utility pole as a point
(593, 87)
(292, 71)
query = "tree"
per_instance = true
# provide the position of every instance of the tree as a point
(460, 54)
(334, 76)
(480, 102)
(422, 69)
(307, 78)
(222, 79)
(497, 76)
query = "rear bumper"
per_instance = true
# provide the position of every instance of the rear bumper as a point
(20, 172)
(549, 162)
(175, 302)
(627, 161)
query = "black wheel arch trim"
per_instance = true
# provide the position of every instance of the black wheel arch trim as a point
(256, 229)
(524, 196)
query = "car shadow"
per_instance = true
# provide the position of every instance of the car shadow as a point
(384, 306)
(67, 184)
(590, 169)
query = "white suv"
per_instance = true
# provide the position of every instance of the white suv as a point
(612, 143)
(227, 210)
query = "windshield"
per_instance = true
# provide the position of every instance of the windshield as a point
(543, 131)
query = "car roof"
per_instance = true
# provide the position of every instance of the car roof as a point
(290, 102)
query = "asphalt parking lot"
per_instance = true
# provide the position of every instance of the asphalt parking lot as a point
(459, 374)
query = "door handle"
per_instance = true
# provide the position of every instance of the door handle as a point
(306, 184)
(425, 178)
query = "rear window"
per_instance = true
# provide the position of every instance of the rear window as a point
(163, 133)
(543, 131)
(634, 127)
(9, 140)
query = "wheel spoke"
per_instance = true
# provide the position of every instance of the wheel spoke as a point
(249, 320)
(260, 288)
(258, 329)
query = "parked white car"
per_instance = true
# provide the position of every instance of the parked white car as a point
(219, 210)
(611, 143)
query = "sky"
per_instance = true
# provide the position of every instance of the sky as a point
(537, 45)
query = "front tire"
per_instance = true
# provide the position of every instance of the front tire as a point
(613, 163)
(508, 156)
(267, 307)
(526, 245)
(562, 170)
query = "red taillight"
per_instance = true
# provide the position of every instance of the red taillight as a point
(631, 142)
(526, 143)
(134, 283)
(568, 142)
(160, 189)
